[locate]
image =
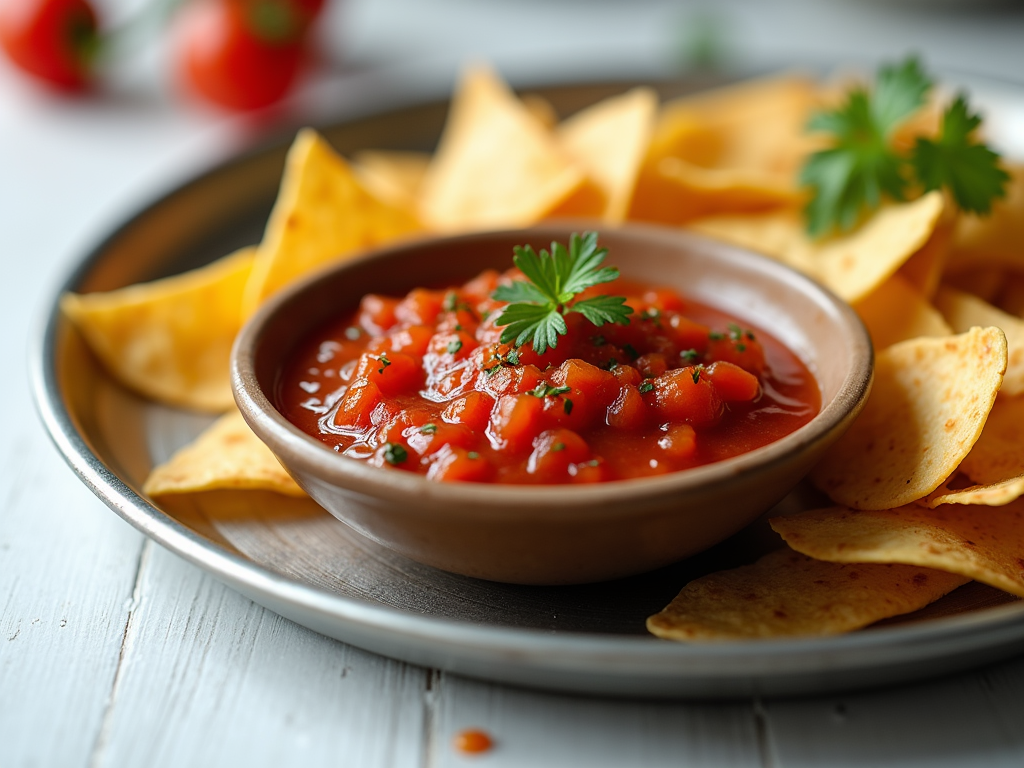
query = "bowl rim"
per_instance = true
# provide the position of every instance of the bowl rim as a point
(360, 477)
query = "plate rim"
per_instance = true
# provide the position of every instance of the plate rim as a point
(570, 661)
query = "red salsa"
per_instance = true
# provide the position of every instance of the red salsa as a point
(423, 384)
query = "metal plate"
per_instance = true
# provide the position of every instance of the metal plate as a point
(297, 560)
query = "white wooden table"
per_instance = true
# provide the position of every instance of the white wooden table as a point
(113, 652)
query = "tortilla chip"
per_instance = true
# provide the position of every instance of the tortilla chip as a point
(497, 165)
(757, 126)
(226, 455)
(323, 213)
(964, 311)
(994, 240)
(170, 340)
(394, 177)
(981, 543)
(895, 311)
(609, 140)
(996, 462)
(541, 109)
(924, 269)
(786, 594)
(926, 410)
(851, 265)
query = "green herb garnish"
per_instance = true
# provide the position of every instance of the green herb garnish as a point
(696, 373)
(689, 355)
(394, 453)
(454, 346)
(568, 406)
(645, 387)
(472, 455)
(384, 362)
(546, 390)
(850, 178)
(537, 306)
(429, 428)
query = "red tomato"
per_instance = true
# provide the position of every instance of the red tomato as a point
(54, 40)
(240, 54)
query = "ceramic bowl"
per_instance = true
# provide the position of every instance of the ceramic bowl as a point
(561, 534)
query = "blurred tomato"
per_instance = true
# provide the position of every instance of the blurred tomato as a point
(52, 39)
(241, 54)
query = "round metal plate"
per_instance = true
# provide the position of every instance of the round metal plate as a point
(297, 560)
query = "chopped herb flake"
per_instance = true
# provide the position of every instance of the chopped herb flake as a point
(546, 390)
(394, 453)
(429, 428)
(568, 406)
(454, 346)
(645, 387)
(689, 355)
(472, 455)
(558, 447)
(384, 362)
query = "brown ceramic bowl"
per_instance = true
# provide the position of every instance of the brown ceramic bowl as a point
(561, 534)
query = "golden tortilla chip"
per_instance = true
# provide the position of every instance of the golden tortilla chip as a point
(226, 455)
(610, 140)
(851, 265)
(786, 594)
(896, 311)
(497, 165)
(996, 462)
(757, 126)
(542, 109)
(170, 340)
(981, 543)
(927, 408)
(993, 240)
(924, 269)
(394, 177)
(676, 192)
(964, 311)
(323, 213)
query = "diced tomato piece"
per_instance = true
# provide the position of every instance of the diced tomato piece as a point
(394, 372)
(357, 405)
(472, 409)
(738, 349)
(665, 299)
(399, 426)
(554, 451)
(688, 334)
(480, 287)
(592, 471)
(429, 438)
(628, 411)
(516, 421)
(687, 395)
(509, 380)
(732, 383)
(412, 340)
(679, 442)
(586, 379)
(377, 313)
(627, 374)
(651, 365)
(454, 464)
(420, 307)
(457, 345)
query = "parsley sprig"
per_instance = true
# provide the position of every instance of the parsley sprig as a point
(862, 165)
(537, 306)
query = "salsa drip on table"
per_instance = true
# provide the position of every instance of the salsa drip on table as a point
(423, 384)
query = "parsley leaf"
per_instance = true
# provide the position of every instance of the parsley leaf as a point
(970, 170)
(851, 177)
(537, 306)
